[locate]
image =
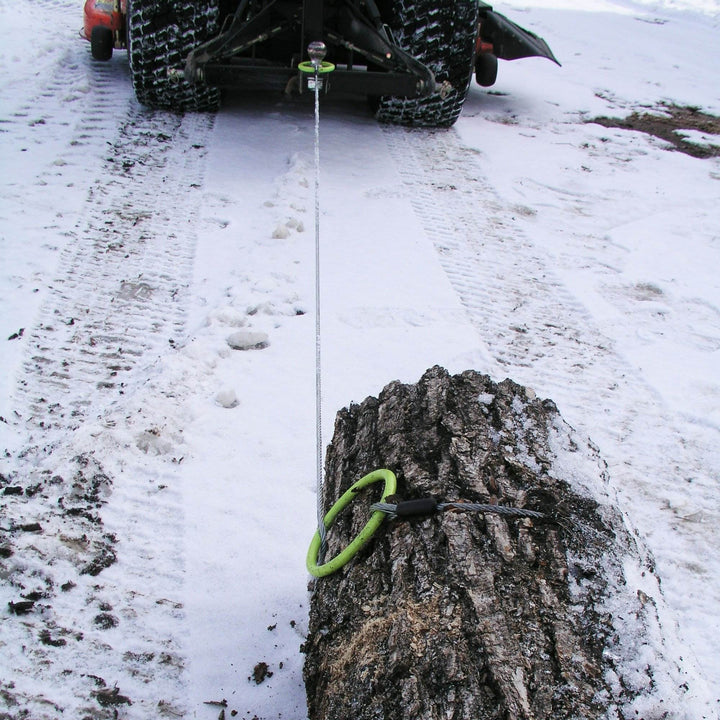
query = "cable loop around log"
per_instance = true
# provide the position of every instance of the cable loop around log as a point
(363, 536)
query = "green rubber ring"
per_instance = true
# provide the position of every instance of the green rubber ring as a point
(363, 536)
(308, 67)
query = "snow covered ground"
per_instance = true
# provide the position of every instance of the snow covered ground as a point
(159, 487)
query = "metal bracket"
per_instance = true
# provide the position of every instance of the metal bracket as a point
(355, 27)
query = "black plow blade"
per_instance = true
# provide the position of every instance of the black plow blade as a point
(510, 41)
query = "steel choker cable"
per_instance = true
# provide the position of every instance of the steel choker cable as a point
(316, 52)
(315, 560)
(429, 506)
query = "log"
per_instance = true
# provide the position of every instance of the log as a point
(467, 615)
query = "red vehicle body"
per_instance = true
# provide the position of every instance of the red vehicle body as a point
(104, 26)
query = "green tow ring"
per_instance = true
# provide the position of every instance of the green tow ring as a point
(308, 67)
(363, 536)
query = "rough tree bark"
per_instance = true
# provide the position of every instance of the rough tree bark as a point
(471, 616)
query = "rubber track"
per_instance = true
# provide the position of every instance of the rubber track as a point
(442, 36)
(161, 34)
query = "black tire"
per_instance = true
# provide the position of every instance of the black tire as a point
(101, 43)
(161, 33)
(442, 36)
(486, 69)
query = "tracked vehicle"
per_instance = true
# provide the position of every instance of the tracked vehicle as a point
(413, 59)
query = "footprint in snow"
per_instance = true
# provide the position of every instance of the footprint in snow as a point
(248, 340)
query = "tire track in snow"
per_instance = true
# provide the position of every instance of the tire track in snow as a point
(117, 297)
(539, 335)
(69, 120)
(117, 304)
(66, 87)
(53, 139)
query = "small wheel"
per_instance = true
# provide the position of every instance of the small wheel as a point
(101, 42)
(486, 69)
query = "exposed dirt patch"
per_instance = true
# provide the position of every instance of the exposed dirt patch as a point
(260, 673)
(669, 122)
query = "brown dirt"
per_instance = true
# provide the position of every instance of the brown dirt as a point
(666, 121)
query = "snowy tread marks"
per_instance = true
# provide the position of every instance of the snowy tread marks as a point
(120, 283)
(118, 301)
(442, 36)
(77, 106)
(160, 36)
